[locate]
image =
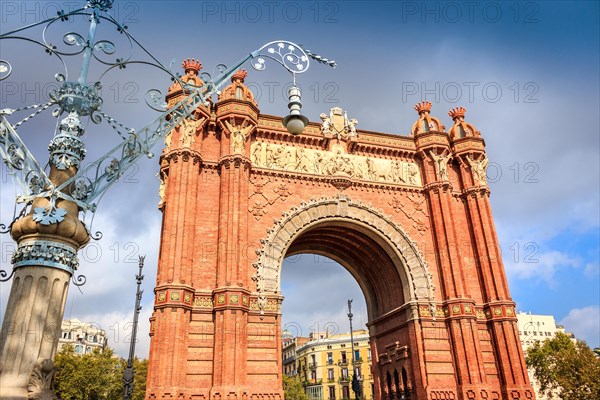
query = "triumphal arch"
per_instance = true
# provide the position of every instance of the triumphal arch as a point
(408, 216)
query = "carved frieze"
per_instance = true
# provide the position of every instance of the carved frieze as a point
(203, 302)
(334, 163)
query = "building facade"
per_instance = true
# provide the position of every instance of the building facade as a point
(83, 336)
(537, 328)
(324, 365)
(289, 348)
(408, 216)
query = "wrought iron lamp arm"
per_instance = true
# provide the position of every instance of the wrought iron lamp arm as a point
(128, 152)
(21, 162)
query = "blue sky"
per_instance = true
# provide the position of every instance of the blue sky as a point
(527, 72)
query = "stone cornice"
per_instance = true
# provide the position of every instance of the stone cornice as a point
(475, 191)
(326, 179)
(184, 154)
(235, 160)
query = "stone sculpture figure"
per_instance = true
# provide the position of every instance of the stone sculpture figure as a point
(302, 162)
(326, 128)
(188, 129)
(257, 154)
(412, 172)
(352, 127)
(479, 168)
(441, 165)
(238, 136)
(161, 189)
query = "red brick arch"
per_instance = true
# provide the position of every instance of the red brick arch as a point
(408, 216)
(329, 227)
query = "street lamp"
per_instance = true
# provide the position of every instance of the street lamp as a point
(129, 371)
(355, 382)
(48, 230)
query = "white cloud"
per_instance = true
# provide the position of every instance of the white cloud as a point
(584, 323)
(524, 263)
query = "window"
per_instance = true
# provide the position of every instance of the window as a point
(345, 392)
(344, 373)
(238, 93)
(79, 349)
(330, 358)
(344, 359)
(313, 375)
(331, 392)
(357, 354)
(330, 374)
(369, 353)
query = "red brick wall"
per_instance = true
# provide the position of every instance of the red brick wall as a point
(211, 338)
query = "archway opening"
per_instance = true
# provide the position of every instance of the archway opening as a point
(325, 265)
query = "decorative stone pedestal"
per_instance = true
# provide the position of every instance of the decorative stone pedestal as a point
(46, 258)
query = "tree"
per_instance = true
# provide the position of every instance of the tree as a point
(569, 368)
(92, 376)
(95, 376)
(139, 378)
(292, 389)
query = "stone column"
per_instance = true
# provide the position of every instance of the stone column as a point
(456, 293)
(48, 239)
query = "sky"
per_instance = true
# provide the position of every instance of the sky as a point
(527, 73)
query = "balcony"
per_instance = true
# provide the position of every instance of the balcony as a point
(312, 382)
(312, 365)
(358, 361)
(343, 362)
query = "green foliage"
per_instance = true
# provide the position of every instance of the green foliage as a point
(139, 378)
(293, 389)
(95, 376)
(571, 369)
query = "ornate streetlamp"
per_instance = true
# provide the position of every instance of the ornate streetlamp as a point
(129, 371)
(355, 382)
(47, 229)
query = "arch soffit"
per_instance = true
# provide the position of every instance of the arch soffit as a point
(409, 260)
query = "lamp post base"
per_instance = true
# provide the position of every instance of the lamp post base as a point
(30, 332)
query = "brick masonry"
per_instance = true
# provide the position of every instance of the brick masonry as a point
(420, 241)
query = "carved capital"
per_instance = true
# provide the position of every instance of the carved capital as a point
(438, 187)
(235, 161)
(184, 155)
(40, 386)
(45, 253)
(475, 192)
